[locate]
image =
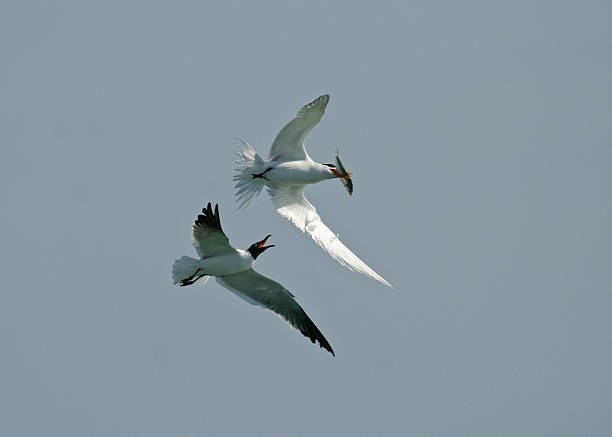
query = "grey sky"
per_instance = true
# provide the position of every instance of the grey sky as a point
(480, 141)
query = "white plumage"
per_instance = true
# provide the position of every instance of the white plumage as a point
(286, 173)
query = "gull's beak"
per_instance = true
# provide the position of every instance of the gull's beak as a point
(262, 242)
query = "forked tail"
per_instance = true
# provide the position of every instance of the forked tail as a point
(248, 184)
(186, 271)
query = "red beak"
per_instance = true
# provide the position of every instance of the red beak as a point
(262, 242)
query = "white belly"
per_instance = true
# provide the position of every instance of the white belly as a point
(298, 172)
(228, 264)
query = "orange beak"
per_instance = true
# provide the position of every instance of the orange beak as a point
(338, 175)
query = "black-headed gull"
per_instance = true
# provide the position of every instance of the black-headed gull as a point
(288, 170)
(233, 269)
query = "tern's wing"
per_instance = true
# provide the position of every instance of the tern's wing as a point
(259, 290)
(289, 143)
(290, 202)
(207, 236)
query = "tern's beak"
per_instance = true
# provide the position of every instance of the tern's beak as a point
(262, 242)
(340, 175)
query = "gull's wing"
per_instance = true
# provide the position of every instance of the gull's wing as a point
(207, 235)
(291, 203)
(289, 143)
(259, 290)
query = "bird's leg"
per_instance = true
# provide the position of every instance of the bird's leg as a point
(261, 175)
(190, 280)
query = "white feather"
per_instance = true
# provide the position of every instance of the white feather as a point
(291, 203)
(249, 163)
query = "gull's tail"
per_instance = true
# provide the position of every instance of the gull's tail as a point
(249, 164)
(186, 271)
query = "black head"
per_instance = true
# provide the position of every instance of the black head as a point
(330, 165)
(256, 248)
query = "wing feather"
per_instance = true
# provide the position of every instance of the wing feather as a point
(291, 203)
(289, 143)
(207, 236)
(262, 291)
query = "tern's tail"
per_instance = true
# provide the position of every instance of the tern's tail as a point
(186, 271)
(248, 184)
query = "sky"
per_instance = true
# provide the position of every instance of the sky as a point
(480, 140)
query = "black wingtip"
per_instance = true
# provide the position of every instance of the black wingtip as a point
(316, 336)
(210, 218)
(325, 345)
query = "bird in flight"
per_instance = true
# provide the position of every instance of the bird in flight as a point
(233, 269)
(287, 172)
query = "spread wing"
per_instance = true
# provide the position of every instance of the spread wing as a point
(290, 202)
(259, 290)
(207, 235)
(289, 143)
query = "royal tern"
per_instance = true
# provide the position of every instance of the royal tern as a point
(288, 170)
(233, 269)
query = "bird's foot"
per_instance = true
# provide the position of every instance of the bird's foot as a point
(261, 175)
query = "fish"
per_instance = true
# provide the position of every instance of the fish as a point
(346, 180)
